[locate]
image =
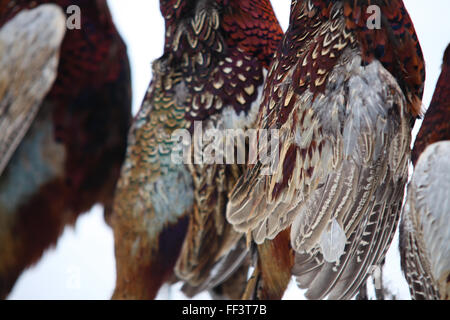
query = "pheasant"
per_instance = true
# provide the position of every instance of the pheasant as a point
(424, 232)
(65, 110)
(169, 217)
(342, 94)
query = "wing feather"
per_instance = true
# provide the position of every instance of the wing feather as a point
(425, 234)
(29, 46)
(359, 182)
(224, 78)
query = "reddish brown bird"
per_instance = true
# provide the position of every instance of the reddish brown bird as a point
(211, 73)
(343, 90)
(65, 109)
(424, 231)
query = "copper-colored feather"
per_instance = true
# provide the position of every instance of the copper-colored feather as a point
(273, 270)
(67, 146)
(25, 79)
(211, 72)
(436, 124)
(338, 93)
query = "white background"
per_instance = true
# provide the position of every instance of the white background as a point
(82, 265)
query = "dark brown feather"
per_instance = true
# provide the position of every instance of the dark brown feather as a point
(71, 156)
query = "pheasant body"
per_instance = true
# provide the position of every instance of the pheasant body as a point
(71, 151)
(217, 51)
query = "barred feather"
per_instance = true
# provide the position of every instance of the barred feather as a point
(65, 110)
(424, 233)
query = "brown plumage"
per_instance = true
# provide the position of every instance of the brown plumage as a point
(424, 231)
(343, 97)
(61, 153)
(211, 72)
(436, 124)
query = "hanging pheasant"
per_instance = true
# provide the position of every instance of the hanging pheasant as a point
(424, 231)
(65, 109)
(211, 73)
(342, 93)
